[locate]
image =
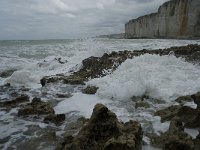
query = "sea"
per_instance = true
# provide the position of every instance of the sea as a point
(25, 62)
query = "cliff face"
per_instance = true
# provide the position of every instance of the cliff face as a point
(174, 19)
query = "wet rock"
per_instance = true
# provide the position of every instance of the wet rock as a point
(196, 98)
(36, 107)
(75, 126)
(197, 142)
(90, 90)
(104, 131)
(56, 119)
(43, 81)
(184, 99)
(15, 102)
(188, 115)
(7, 73)
(95, 67)
(41, 138)
(179, 145)
(62, 95)
(168, 113)
(137, 98)
(74, 80)
(60, 60)
(4, 140)
(142, 104)
(7, 84)
(120, 143)
(175, 138)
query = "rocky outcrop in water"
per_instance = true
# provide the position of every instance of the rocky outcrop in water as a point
(174, 19)
(94, 67)
(13, 103)
(36, 107)
(175, 138)
(103, 131)
(189, 116)
(90, 90)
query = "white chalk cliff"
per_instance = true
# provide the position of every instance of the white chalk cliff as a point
(174, 19)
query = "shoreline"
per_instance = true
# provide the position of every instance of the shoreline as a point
(41, 109)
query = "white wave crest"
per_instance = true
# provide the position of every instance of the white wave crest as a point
(165, 77)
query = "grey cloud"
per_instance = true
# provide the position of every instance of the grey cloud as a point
(33, 19)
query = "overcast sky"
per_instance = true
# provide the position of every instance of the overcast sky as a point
(46, 19)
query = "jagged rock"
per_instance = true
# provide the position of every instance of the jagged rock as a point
(104, 131)
(188, 116)
(184, 99)
(90, 90)
(56, 119)
(196, 98)
(168, 113)
(43, 81)
(94, 67)
(36, 107)
(15, 102)
(142, 104)
(175, 138)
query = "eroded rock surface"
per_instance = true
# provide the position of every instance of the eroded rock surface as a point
(15, 102)
(175, 138)
(90, 90)
(56, 119)
(36, 107)
(104, 131)
(188, 115)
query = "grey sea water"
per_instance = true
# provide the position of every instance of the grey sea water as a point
(24, 63)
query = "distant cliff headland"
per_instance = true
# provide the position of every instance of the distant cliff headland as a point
(174, 19)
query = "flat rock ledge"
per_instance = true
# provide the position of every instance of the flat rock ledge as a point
(189, 116)
(95, 67)
(103, 131)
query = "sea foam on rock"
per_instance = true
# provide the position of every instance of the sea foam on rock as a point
(104, 131)
(175, 138)
(187, 114)
(95, 67)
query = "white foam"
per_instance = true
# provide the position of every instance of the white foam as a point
(29, 56)
(191, 104)
(23, 78)
(192, 132)
(164, 77)
(81, 103)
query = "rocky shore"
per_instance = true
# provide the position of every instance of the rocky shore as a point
(103, 130)
(94, 67)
